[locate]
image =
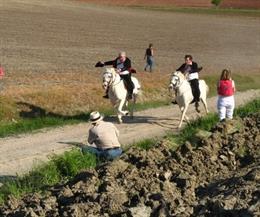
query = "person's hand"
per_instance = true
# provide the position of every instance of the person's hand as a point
(118, 71)
(100, 64)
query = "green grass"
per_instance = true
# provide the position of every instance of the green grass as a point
(146, 144)
(209, 11)
(59, 169)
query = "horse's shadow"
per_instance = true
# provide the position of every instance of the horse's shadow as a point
(30, 111)
(163, 122)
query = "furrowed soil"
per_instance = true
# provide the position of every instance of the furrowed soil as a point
(218, 175)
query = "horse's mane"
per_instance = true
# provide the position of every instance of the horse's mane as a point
(180, 75)
(110, 70)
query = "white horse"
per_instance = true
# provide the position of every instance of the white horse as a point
(184, 96)
(117, 92)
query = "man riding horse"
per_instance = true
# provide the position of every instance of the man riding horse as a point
(191, 69)
(122, 64)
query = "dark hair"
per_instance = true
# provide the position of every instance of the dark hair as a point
(150, 45)
(188, 56)
(225, 74)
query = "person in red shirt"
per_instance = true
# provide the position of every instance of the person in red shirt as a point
(1, 72)
(226, 90)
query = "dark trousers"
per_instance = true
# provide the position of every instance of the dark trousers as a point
(195, 89)
(128, 82)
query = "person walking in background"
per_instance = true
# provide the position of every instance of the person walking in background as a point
(149, 56)
(226, 90)
(103, 138)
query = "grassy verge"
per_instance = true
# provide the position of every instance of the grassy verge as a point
(193, 10)
(62, 168)
(58, 169)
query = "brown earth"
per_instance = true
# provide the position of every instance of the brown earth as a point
(253, 4)
(177, 3)
(216, 175)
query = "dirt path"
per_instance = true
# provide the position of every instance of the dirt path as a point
(20, 153)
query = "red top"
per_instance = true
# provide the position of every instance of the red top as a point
(1, 72)
(225, 88)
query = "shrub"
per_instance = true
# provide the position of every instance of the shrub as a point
(216, 2)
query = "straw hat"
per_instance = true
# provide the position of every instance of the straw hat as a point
(95, 117)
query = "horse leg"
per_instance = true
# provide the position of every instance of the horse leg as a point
(133, 107)
(186, 118)
(205, 105)
(120, 112)
(183, 115)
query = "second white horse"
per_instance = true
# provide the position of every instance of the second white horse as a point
(184, 96)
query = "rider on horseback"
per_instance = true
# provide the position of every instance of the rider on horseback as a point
(122, 64)
(191, 69)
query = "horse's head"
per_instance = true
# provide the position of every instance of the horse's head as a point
(176, 80)
(108, 77)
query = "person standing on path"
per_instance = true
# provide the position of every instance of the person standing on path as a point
(103, 138)
(1, 76)
(226, 90)
(149, 56)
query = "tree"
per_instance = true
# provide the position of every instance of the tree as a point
(216, 2)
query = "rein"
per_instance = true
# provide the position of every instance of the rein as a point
(111, 83)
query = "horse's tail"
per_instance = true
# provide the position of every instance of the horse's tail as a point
(136, 84)
(207, 87)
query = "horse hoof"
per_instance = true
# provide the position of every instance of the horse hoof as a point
(127, 113)
(197, 110)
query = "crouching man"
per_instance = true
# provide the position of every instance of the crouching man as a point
(103, 138)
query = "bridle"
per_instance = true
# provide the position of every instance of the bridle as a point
(112, 80)
(177, 83)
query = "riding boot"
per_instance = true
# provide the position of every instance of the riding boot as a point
(106, 95)
(197, 106)
(130, 94)
(174, 100)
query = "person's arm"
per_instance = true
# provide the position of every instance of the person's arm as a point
(91, 137)
(233, 86)
(181, 68)
(109, 63)
(152, 52)
(145, 55)
(194, 67)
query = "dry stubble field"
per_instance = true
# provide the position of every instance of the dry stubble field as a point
(49, 48)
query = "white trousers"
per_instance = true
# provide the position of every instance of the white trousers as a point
(225, 105)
